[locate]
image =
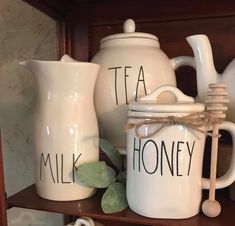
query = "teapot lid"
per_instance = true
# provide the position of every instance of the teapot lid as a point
(129, 32)
(151, 104)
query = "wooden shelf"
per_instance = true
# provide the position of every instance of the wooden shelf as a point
(28, 198)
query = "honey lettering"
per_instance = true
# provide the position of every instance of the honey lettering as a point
(165, 158)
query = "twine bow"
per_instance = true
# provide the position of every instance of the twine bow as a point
(198, 121)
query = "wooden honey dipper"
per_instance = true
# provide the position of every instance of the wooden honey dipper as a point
(216, 105)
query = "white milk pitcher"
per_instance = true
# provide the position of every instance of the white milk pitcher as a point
(164, 158)
(66, 130)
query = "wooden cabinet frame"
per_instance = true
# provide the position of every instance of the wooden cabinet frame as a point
(3, 201)
(82, 23)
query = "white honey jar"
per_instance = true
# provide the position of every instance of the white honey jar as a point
(164, 160)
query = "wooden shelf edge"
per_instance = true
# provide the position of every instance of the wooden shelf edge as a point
(90, 207)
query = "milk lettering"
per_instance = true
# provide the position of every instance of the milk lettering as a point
(53, 165)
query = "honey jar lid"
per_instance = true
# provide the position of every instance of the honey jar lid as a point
(152, 104)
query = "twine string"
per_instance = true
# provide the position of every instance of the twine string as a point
(198, 121)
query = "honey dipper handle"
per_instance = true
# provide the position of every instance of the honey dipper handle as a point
(213, 167)
(216, 106)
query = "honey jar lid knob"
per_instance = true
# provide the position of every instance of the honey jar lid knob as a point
(129, 26)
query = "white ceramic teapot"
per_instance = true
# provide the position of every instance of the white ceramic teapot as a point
(132, 66)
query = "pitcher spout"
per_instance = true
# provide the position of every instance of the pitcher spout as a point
(29, 64)
(205, 68)
(23, 63)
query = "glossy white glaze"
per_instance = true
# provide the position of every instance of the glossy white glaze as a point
(164, 171)
(132, 66)
(66, 130)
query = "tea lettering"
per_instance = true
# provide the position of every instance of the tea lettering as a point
(139, 81)
(55, 164)
(165, 158)
(121, 75)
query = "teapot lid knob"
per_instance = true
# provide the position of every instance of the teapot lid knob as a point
(129, 26)
(129, 32)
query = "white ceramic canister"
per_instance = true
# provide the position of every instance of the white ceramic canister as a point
(65, 127)
(164, 162)
(132, 66)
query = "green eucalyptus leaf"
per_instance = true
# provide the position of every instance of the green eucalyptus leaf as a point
(96, 174)
(111, 152)
(114, 199)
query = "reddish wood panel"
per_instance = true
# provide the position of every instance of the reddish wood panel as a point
(78, 21)
(64, 36)
(3, 213)
(114, 11)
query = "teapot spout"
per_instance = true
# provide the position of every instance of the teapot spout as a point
(205, 68)
(23, 63)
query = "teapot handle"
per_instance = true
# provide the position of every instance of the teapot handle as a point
(180, 61)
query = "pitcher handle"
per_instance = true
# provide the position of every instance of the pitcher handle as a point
(180, 61)
(87, 221)
(229, 177)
